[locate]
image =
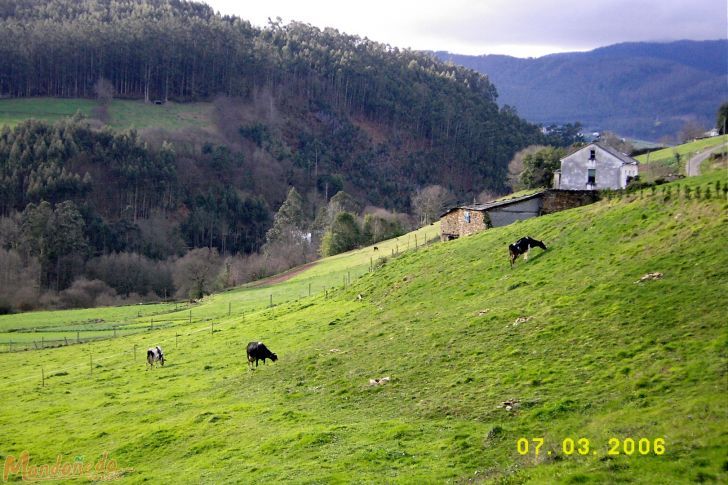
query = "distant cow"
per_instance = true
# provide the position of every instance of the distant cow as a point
(155, 355)
(523, 246)
(258, 351)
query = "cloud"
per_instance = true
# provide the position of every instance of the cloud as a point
(518, 27)
(577, 24)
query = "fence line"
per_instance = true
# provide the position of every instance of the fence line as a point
(137, 328)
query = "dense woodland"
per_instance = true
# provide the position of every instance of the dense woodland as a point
(295, 106)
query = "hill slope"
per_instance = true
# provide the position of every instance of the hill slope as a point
(311, 102)
(584, 351)
(644, 90)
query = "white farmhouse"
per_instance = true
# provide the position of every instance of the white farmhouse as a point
(595, 167)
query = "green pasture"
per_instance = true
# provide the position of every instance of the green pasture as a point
(320, 278)
(85, 316)
(569, 345)
(17, 110)
(122, 113)
(684, 151)
(170, 116)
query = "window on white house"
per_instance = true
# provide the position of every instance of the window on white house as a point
(591, 177)
(592, 154)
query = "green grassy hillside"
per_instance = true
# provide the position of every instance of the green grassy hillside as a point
(52, 328)
(569, 339)
(684, 151)
(122, 113)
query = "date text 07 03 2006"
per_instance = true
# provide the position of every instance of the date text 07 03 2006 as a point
(583, 446)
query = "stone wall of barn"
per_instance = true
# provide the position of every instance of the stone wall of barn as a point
(455, 223)
(463, 222)
(559, 200)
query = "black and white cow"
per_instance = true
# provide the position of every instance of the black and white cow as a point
(155, 354)
(523, 246)
(258, 351)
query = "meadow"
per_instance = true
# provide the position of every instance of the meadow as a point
(674, 158)
(481, 359)
(31, 330)
(123, 114)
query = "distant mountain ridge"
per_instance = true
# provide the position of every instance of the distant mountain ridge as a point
(640, 89)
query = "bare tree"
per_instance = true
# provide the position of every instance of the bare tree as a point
(487, 196)
(104, 94)
(516, 167)
(690, 131)
(430, 202)
(104, 91)
(612, 140)
(195, 272)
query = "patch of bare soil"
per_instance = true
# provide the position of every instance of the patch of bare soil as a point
(280, 278)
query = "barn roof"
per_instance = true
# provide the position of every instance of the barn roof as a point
(493, 204)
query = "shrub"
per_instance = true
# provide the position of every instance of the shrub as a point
(343, 235)
(85, 293)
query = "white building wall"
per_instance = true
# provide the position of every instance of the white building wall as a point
(610, 172)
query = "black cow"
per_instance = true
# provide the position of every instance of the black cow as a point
(258, 351)
(523, 246)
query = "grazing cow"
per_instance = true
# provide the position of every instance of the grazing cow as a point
(523, 246)
(258, 351)
(155, 355)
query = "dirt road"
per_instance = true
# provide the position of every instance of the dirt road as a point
(693, 166)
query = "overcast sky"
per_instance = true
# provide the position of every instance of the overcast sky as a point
(522, 28)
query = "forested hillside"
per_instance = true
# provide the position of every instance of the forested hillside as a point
(292, 106)
(645, 90)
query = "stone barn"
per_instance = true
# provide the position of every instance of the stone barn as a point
(469, 219)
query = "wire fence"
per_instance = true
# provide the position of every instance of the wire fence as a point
(88, 332)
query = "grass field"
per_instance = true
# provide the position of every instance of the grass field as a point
(685, 151)
(575, 346)
(123, 114)
(27, 330)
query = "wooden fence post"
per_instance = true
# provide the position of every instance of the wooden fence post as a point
(42, 343)
(176, 336)
(78, 337)
(190, 316)
(270, 305)
(309, 289)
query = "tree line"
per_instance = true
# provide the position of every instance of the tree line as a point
(294, 106)
(183, 51)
